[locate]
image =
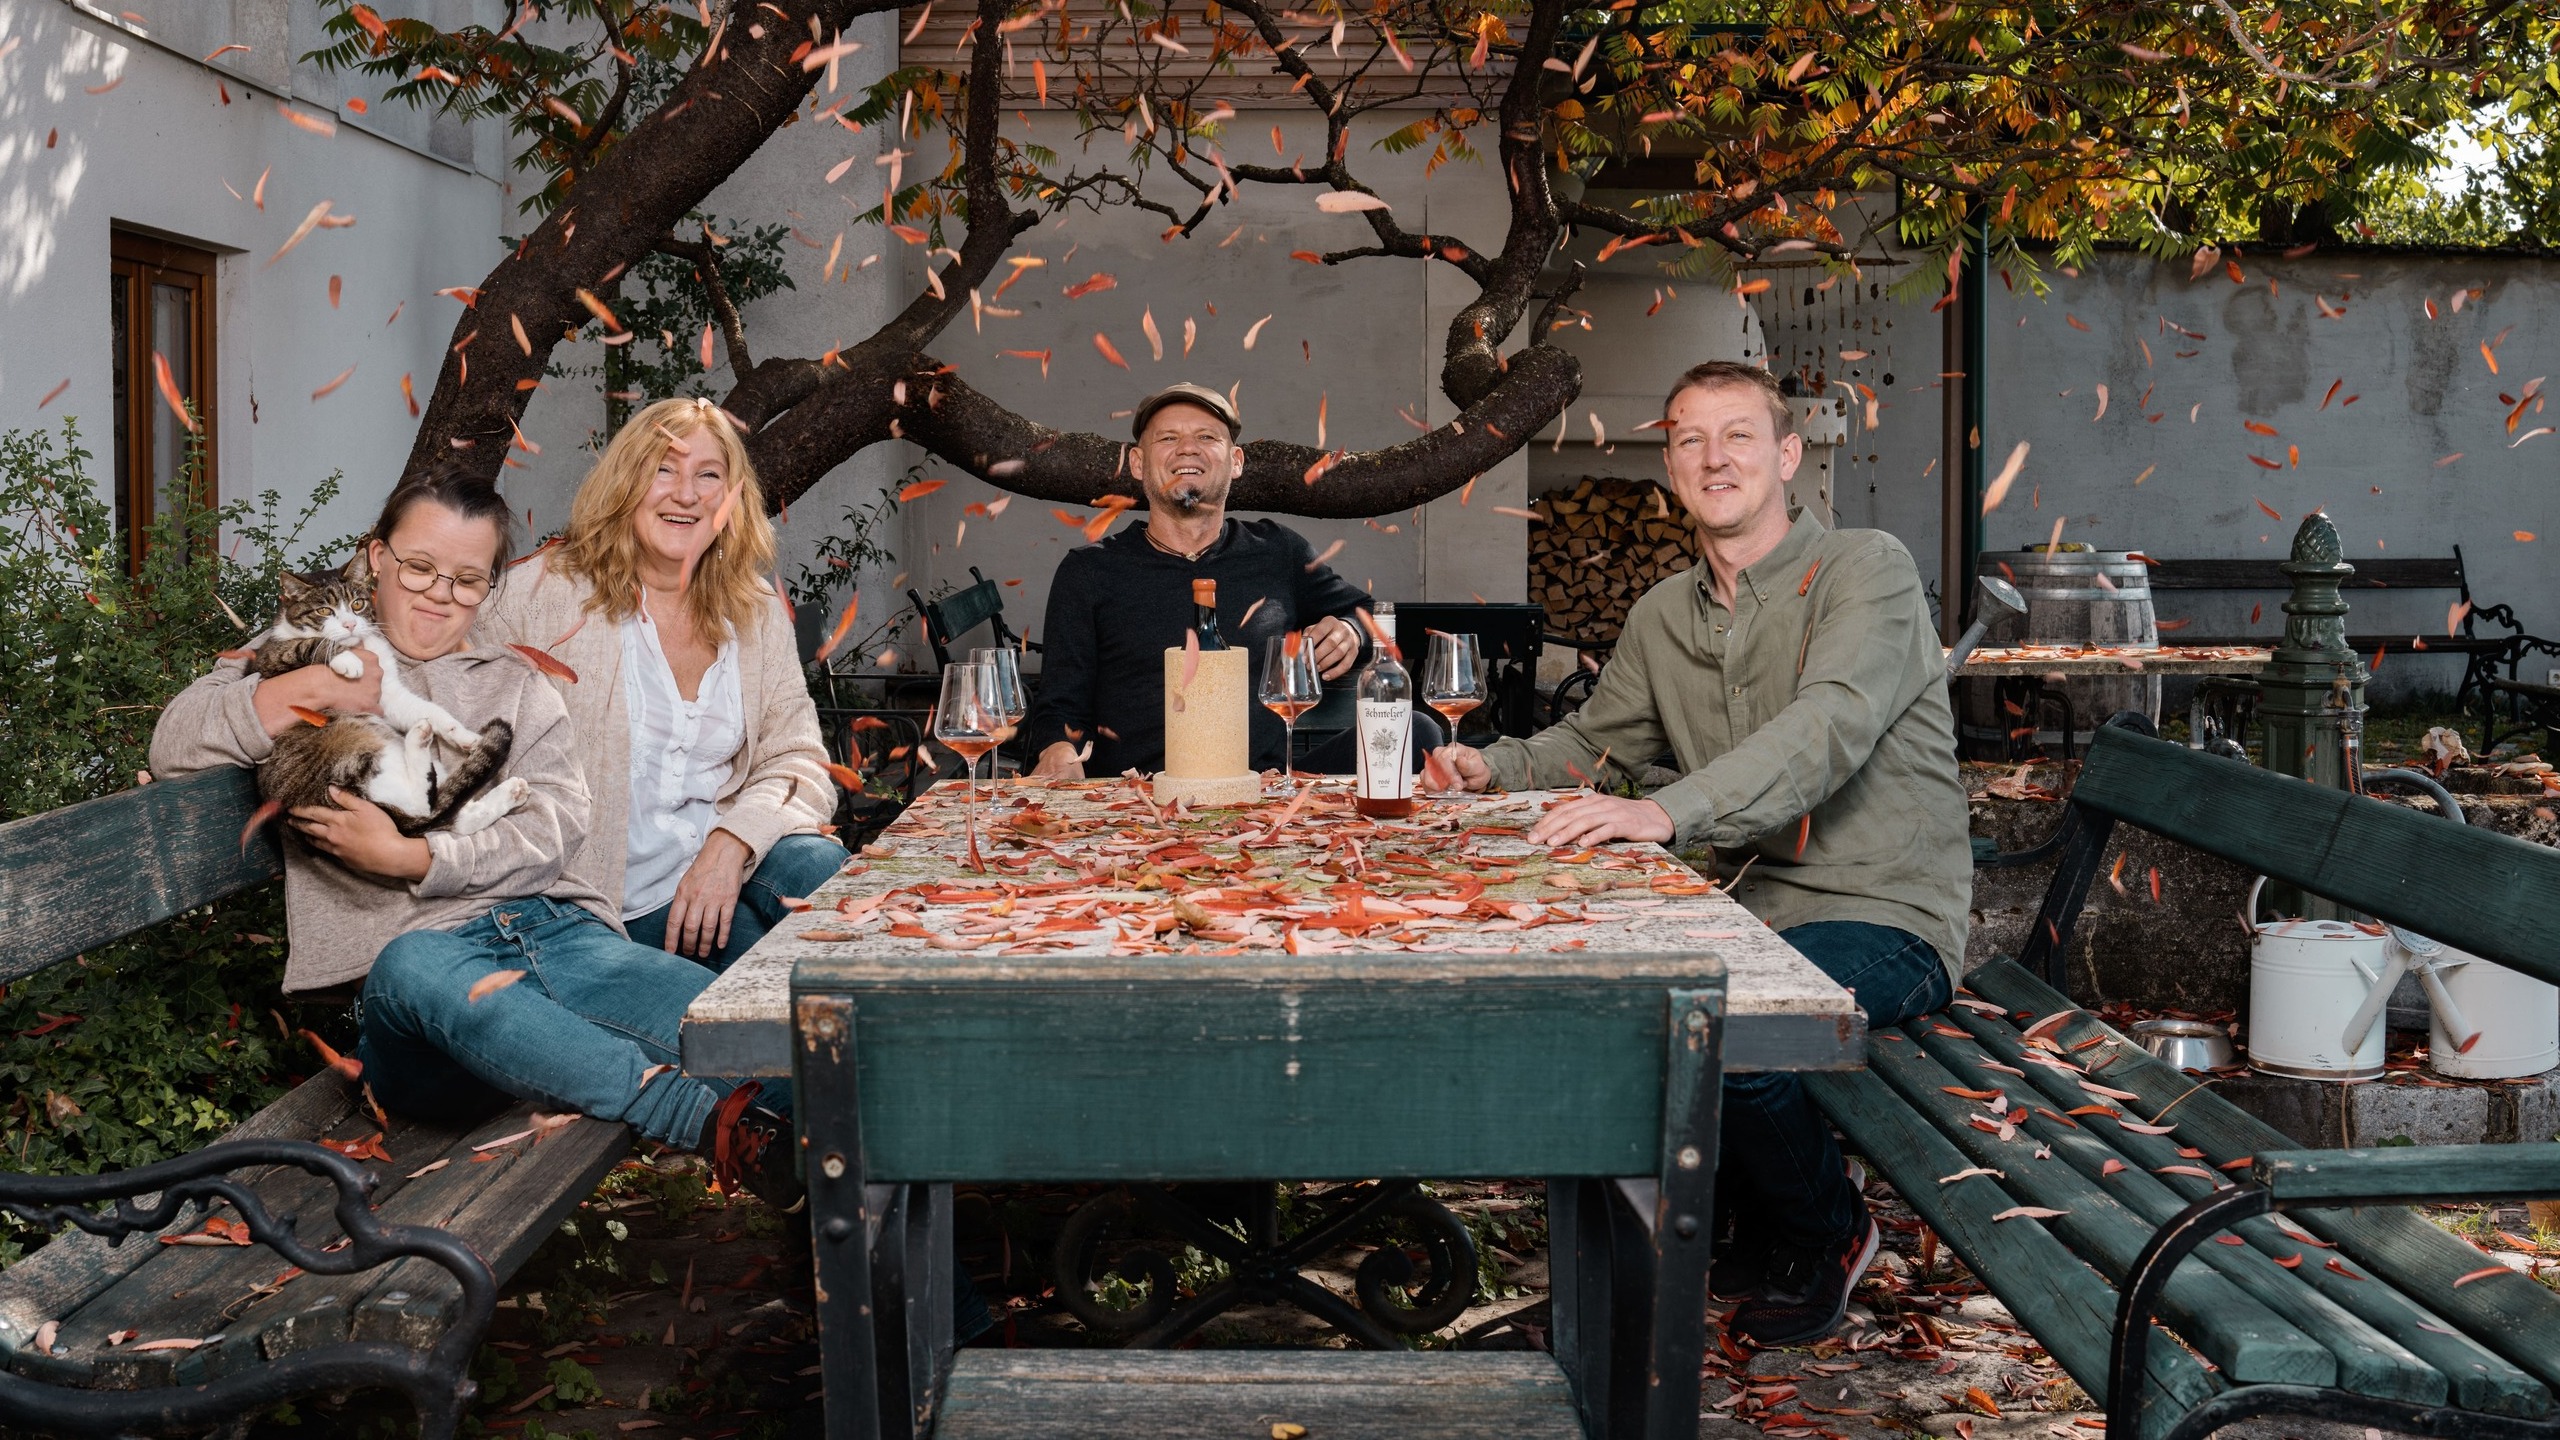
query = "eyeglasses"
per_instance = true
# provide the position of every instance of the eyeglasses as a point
(418, 576)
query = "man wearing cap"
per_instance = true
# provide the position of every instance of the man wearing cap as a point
(1117, 606)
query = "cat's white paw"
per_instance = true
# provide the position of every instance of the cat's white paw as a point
(485, 808)
(347, 665)
(452, 733)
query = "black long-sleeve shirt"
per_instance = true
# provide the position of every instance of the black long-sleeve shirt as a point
(1117, 606)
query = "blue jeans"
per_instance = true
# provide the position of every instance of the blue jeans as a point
(796, 865)
(592, 1013)
(1781, 1172)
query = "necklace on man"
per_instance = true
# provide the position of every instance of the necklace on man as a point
(1190, 556)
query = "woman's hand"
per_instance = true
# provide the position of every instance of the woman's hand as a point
(361, 835)
(698, 918)
(317, 687)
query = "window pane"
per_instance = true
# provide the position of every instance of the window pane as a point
(173, 336)
(120, 366)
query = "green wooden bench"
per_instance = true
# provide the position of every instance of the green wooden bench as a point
(269, 1319)
(2347, 1308)
(916, 1071)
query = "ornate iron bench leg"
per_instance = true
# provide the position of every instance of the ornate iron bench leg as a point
(437, 1380)
(2129, 1353)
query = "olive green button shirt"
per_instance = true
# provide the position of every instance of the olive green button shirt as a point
(1821, 694)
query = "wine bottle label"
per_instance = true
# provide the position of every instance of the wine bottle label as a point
(1386, 733)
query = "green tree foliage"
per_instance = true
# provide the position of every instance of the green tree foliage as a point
(153, 1046)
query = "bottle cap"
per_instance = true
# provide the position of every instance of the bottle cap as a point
(1204, 592)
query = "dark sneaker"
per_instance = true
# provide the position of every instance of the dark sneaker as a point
(1741, 1267)
(751, 1149)
(1742, 1264)
(1807, 1290)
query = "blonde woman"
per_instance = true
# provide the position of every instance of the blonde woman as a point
(694, 725)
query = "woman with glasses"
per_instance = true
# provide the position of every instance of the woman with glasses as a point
(491, 965)
(694, 725)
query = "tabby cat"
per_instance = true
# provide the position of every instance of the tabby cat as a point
(388, 758)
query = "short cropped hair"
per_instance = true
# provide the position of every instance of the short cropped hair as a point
(1733, 372)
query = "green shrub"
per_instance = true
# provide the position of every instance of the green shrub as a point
(173, 1041)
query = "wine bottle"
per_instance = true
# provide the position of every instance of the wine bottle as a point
(1384, 711)
(1204, 614)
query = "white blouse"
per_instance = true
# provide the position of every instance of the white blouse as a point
(681, 754)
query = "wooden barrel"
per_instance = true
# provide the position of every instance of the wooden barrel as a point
(2075, 596)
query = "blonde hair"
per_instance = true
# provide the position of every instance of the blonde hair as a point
(728, 585)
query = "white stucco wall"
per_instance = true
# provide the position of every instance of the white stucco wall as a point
(155, 152)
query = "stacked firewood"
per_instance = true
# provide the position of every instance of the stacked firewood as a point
(1605, 542)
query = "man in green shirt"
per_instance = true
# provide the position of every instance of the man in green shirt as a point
(1797, 678)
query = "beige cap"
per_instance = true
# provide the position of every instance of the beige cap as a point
(1186, 393)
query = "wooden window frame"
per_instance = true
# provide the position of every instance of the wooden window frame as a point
(137, 262)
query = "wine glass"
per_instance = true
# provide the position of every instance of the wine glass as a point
(1004, 664)
(1453, 677)
(1290, 688)
(966, 721)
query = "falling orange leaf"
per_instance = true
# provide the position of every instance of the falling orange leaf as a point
(920, 489)
(2489, 355)
(845, 775)
(2264, 508)
(1255, 331)
(2525, 535)
(168, 384)
(1082, 288)
(491, 983)
(2483, 1273)
(409, 393)
(547, 663)
(332, 386)
(309, 716)
(1109, 351)
(836, 636)
(2256, 428)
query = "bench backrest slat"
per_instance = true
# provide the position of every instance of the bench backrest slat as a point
(2371, 574)
(2477, 890)
(81, 876)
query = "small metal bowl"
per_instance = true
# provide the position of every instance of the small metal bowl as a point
(2187, 1044)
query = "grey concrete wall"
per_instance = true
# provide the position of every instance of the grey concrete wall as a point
(155, 152)
(2270, 354)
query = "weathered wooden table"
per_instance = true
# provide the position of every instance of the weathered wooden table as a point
(2041, 660)
(1631, 899)
(1282, 991)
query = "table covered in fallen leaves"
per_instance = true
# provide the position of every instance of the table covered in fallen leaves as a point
(2088, 660)
(1094, 868)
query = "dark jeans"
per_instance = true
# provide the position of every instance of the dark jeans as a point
(796, 865)
(1339, 753)
(1781, 1173)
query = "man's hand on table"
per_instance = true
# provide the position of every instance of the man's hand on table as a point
(1061, 761)
(1337, 643)
(1464, 765)
(1595, 818)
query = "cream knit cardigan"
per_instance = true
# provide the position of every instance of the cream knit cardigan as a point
(779, 784)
